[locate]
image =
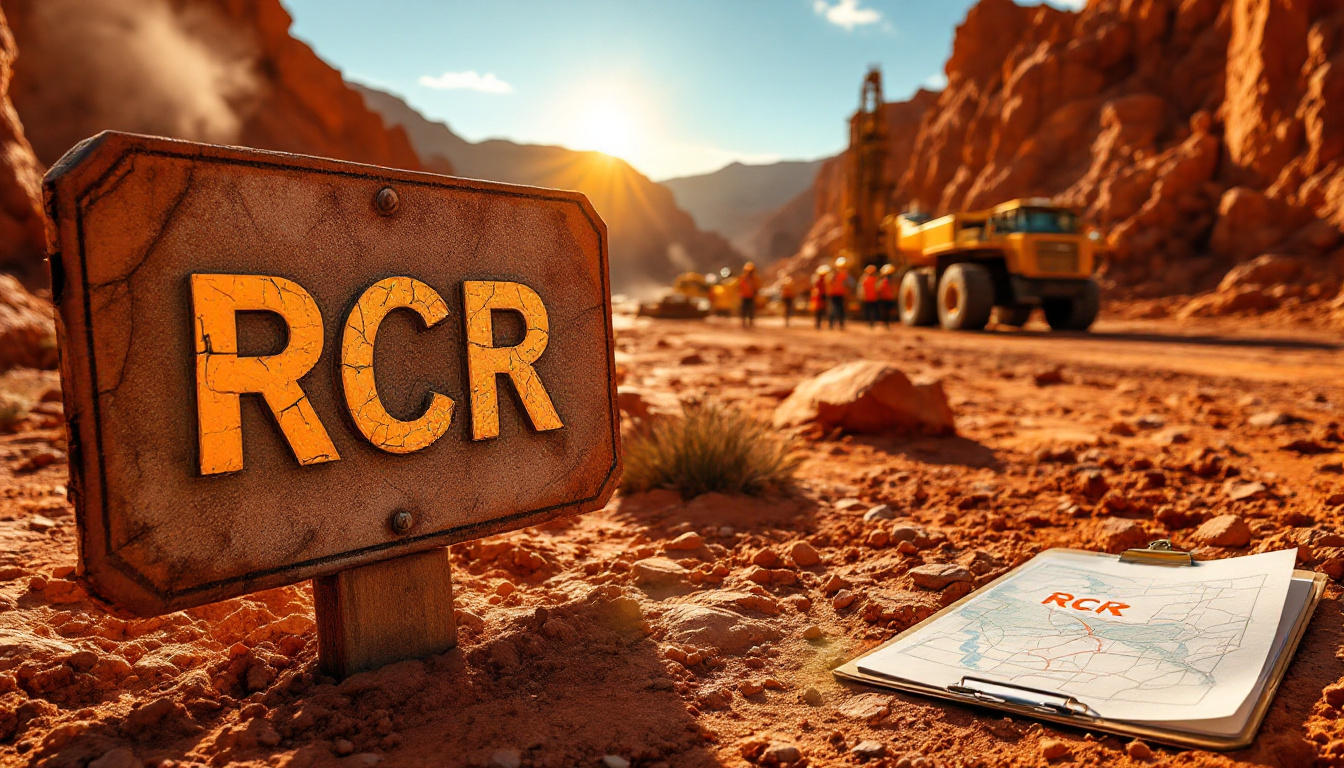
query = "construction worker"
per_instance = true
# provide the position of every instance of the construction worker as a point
(820, 278)
(837, 291)
(787, 293)
(886, 292)
(748, 285)
(868, 292)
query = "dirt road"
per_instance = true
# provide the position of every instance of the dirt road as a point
(592, 640)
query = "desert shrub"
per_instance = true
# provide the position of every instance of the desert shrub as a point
(13, 410)
(709, 448)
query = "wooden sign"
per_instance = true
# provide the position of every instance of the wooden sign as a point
(279, 368)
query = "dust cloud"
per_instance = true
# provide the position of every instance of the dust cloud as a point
(144, 66)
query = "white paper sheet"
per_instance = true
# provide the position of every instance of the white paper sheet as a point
(1131, 641)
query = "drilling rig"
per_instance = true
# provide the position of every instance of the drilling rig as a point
(868, 193)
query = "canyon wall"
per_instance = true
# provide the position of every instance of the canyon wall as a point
(1196, 135)
(22, 230)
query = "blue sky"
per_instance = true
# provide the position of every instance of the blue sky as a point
(676, 87)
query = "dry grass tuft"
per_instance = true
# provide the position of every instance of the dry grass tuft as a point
(710, 448)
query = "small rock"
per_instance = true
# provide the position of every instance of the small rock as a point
(843, 599)
(868, 750)
(835, 583)
(1093, 484)
(615, 761)
(1053, 749)
(1150, 421)
(812, 697)
(506, 758)
(766, 558)
(343, 747)
(684, 543)
(804, 555)
(750, 687)
(1138, 750)
(813, 632)
(866, 707)
(693, 359)
(1052, 376)
(844, 505)
(1118, 534)
(658, 572)
(1223, 531)
(1271, 419)
(1242, 490)
(880, 512)
(780, 753)
(906, 532)
(938, 575)
(40, 524)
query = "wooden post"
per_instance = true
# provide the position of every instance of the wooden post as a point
(385, 612)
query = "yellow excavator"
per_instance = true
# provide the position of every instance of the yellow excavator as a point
(965, 270)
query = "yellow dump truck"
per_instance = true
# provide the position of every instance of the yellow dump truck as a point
(964, 269)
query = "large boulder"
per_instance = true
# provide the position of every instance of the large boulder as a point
(868, 397)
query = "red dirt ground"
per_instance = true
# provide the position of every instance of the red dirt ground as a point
(570, 653)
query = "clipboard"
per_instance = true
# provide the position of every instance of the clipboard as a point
(1063, 709)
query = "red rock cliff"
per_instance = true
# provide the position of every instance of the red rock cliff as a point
(1196, 134)
(22, 236)
(224, 71)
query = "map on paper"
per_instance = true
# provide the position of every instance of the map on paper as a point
(1130, 641)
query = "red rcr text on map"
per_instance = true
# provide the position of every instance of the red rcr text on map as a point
(1065, 600)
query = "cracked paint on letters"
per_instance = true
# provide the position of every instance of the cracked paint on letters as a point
(222, 375)
(485, 361)
(361, 392)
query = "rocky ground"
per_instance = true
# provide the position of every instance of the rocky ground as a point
(670, 632)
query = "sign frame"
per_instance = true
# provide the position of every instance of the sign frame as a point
(88, 171)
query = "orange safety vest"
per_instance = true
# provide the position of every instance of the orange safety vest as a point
(747, 285)
(886, 288)
(836, 286)
(870, 288)
(818, 292)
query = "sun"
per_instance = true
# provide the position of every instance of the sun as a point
(607, 127)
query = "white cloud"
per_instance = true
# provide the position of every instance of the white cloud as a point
(936, 82)
(466, 81)
(846, 13)
(1070, 5)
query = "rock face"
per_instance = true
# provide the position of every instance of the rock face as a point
(866, 396)
(27, 330)
(652, 240)
(1195, 134)
(219, 71)
(23, 242)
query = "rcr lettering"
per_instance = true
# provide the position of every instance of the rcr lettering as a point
(222, 375)
(1089, 604)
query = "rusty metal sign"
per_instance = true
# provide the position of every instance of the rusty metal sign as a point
(280, 367)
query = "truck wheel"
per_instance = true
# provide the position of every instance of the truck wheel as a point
(916, 299)
(1076, 314)
(1016, 315)
(965, 297)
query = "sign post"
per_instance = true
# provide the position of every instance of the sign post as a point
(278, 368)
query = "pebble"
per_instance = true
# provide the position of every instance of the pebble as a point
(686, 542)
(750, 687)
(1223, 531)
(1053, 749)
(40, 524)
(905, 532)
(658, 571)
(781, 753)
(880, 512)
(1270, 419)
(765, 558)
(343, 747)
(505, 588)
(804, 555)
(1241, 490)
(834, 583)
(812, 697)
(813, 632)
(869, 750)
(1118, 534)
(844, 505)
(938, 575)
(843, 599)
(1138, 750)
(506, 758)
(615, 761)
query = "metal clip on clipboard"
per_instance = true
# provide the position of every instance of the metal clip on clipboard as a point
(1159, 552)
(993, 692)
